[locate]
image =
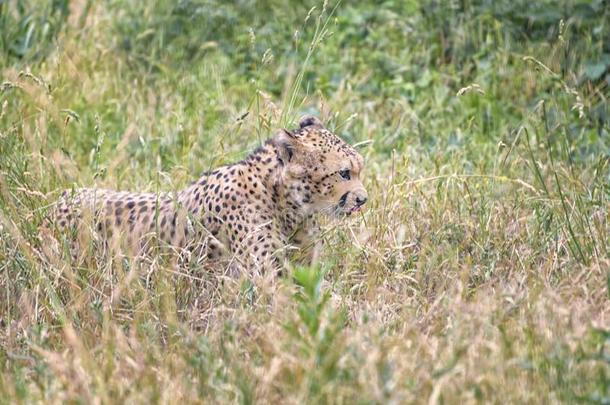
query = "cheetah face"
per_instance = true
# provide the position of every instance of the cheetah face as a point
(322, 171)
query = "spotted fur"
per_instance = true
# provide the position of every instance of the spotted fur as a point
(247, 212)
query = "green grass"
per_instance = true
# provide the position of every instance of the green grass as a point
(478, 273)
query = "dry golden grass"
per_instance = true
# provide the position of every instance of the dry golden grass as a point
(478, 273)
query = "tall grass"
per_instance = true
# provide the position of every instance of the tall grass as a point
(478, 273)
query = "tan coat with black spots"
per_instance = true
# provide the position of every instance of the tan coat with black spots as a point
(247, 212)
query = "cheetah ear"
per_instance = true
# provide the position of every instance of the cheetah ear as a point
(286, 144)
(310, 121)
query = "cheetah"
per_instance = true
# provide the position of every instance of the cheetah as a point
(248, 212)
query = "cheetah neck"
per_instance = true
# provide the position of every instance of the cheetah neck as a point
(291, 207)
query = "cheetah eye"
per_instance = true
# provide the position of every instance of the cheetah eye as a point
(345, 174)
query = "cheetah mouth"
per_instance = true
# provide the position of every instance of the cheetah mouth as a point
(353, 210)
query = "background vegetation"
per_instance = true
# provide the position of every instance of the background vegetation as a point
(478, 273)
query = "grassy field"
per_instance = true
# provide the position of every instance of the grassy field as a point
(480, 271)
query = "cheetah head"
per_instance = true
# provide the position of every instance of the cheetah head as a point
(321, 171)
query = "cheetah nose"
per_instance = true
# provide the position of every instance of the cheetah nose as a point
(361, 200)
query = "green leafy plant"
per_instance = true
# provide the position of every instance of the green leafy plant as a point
(316, 332)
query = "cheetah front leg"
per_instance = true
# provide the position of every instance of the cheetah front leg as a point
(259, 248)
(307, 242)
